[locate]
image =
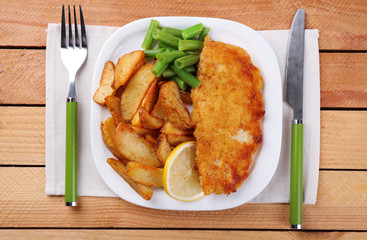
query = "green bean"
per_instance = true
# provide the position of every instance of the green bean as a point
(163, 45)
(168, 73)
(151, 53)
(165, 37)
(185, 76)
(203, 33)
(186, 61)
(192, 52)
(184, 45)
(192, 31)
(174, 31)
(180, 83)
(159, 67)
(148, 39)
(168, 57)
(190, 69)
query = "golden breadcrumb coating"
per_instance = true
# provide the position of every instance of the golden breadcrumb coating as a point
(227, 110)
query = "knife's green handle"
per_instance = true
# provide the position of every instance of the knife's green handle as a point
(71, 166)
(296, 196)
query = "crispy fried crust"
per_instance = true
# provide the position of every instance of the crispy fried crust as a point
(227, 109)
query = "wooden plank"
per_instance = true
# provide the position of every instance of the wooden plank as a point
(342, 24)
(341, 205)
(22, 134)
(22, 80)
(60, 234)
(343, 80)
(343, 137)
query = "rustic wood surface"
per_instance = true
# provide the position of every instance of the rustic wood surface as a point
(175, 234)
(341, 208)
(342, 24)
(343, 78)
(23, 135)
(23, 206)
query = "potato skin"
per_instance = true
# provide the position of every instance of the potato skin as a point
(144, 191)
(134, 147)
(106, 84)
(173, 107)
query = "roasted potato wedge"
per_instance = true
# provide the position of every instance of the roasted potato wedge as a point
(149, 121)
(126, 66)
(144, 174)
(163, 148)
(144, 191)
(173, 107)
(143, 131)
(113, 104)
(175, 140)
(134, 147)
(151, 139)
(148, 103)
(106, 84)
(108, 128)
(157, 111)
(135, 91)
(168, 129)
(186, 97)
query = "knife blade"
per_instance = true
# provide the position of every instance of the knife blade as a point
(294, 78)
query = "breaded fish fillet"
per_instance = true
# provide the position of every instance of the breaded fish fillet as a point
(227, 110)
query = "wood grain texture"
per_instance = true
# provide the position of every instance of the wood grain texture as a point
(142, 234)
(24, 205)
(22, 80)
(343, 80)
(342, 24)
(22, 135)
(343, 139)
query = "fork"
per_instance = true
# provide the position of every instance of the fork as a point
(73, 56)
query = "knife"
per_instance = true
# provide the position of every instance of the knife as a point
(294, 76)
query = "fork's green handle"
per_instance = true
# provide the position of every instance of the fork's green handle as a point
(71, 167)
(296, 196)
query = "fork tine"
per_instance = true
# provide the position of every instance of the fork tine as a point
(84, 34)
(63, 30)
(71, 42)
(77, 44)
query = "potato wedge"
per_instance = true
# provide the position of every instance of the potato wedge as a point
(126, 66)
(173, 107)
(168, 128)
(134, 147)
(186, 97)
(144, 174)
(163, 148)
(108, 128)
(113, 104)
(157, 111)
(106, 84)
(149, 121)
(151, 139)
(144, 191)
(143, 131)
(175, 140)
(135, 91)
(148, 103)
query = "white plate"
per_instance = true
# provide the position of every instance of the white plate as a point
(129, 38)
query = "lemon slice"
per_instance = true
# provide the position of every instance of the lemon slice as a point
(180, 177)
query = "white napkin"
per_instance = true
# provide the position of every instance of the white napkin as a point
(91, 184)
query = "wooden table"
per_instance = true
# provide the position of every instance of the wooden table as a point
(341, 209)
